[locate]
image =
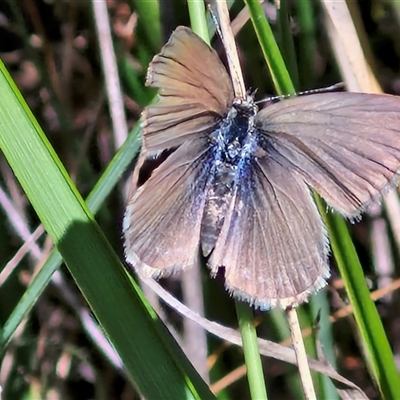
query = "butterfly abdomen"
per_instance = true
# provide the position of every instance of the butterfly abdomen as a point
(233, 144)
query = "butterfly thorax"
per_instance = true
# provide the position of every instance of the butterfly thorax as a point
(234, 138)
(233, 144)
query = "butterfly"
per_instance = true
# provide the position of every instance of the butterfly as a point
(235, 183)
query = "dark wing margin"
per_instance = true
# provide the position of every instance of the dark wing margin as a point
(195, 92)
(163, 218)
(346, 146)
(273, 243)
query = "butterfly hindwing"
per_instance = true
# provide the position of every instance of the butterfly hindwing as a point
(273, 243)
(163, 218)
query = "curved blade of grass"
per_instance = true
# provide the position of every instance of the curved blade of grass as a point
(368, 321)
(154, 362)
(379, 354)
(99, 193)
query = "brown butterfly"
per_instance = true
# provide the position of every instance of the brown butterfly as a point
(235, 183)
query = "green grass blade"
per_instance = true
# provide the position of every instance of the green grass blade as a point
(307, 42)
(198, 22)
(99, 193)
(251, 353)
(286, 42)
(280, 75)
(151, 357)
(149, 21)
(379, 354)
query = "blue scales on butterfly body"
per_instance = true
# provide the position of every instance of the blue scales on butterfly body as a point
(232, 148)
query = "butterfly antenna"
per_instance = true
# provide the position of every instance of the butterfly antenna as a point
(331, 88)
(215, 21)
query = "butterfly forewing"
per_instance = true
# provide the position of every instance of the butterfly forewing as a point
(163, 219)
(195, 92)
(265, 243)
(344, 145)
